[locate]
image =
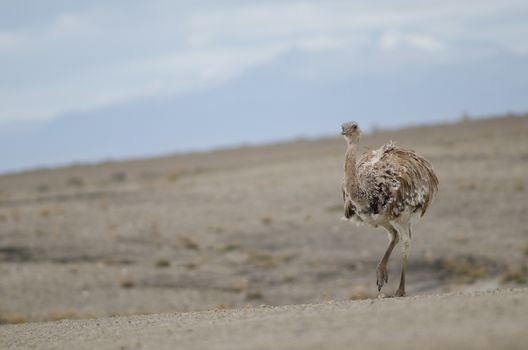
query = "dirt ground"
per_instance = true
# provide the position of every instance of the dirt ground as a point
(478, 320)
(256, 226)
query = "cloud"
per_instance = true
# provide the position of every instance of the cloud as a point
(391, 41)
(89, 58)
(8, 40)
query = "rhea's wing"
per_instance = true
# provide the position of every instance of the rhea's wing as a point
(399, 178)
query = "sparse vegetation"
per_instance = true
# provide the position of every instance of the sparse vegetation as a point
(45, 212)
(127, 283)
(359, 293)
(230, 247)
(163, 263)
(118, 177)
(266, 220)
(57, 315)
(162, 247)
(42, 188)
(13, 318)
(173, 177)
(254, 295)
(188, 243)
(516, 273)
(267, 260)
(75, 181)
(463, 269)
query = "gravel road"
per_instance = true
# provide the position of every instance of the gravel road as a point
(481, 320)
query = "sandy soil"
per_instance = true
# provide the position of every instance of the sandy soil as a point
(484, 320)
(255, 225)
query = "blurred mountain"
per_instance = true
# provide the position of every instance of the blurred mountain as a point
(277, 101)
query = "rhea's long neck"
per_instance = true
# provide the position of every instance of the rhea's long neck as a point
(350, 162)
(351, 180)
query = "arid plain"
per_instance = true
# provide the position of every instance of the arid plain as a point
(253, 226)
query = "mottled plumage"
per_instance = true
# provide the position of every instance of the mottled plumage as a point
(386, 187)
(393, 180)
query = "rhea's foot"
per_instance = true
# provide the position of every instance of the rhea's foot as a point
(382, 276)
(400, 292)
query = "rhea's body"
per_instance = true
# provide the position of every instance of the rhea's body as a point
(386, 187)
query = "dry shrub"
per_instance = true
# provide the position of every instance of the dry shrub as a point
(359, 293)
(241, 286)
(162, 263)
(57, 315)
(127, 283)
(45, 212)
(231, 247)
(42, 188)
(188, 243)
(13, 319)
(464, 269)
(118, 177)
(223, 306)
(75, 181)
(516, 273)
(267, 260)
(266, 220)
(174, 176)
(254, 295)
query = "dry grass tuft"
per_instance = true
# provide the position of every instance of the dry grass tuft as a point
(58, 315)
(268, 260)
(45, 212)
(231, 247)
(42, 188)
(13, 319)
(463, 269)
(254, 295)
(75, 181)
(173, 177)
(127, 283)
(163, 263)
(516, 273)
(118, 177)
(188, 243)
(266, 220)
(359, 293)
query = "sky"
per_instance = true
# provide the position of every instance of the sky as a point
(86, 81)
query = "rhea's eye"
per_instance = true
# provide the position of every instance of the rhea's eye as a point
(354, 127)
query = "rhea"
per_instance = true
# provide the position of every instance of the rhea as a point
(387, 188)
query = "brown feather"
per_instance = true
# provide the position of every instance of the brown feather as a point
(395, 179)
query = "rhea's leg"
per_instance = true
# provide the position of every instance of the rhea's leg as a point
(406, 246)
(381, 272)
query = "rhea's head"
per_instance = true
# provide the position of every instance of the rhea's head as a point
(351, 132)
